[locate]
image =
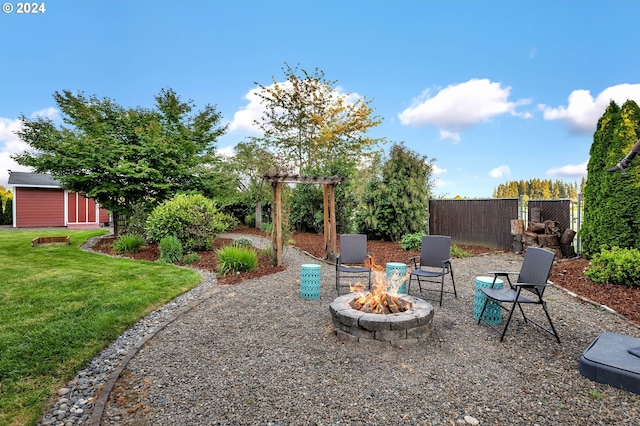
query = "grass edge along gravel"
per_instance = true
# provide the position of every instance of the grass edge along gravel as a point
(60, 306)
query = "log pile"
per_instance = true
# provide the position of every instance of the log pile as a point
(545, 234)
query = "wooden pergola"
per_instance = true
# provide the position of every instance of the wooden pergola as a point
(329, 183)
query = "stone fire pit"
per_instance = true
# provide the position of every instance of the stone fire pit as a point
(396, 329)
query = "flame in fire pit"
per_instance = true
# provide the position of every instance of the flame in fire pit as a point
(383, 298)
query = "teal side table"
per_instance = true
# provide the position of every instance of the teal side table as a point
(493, 313)
(310, 282)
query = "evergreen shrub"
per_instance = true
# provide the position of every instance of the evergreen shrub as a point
(243, 242)
(190, 258)
(459, 253)
(615, 266)
(193, 219)
(412, 242)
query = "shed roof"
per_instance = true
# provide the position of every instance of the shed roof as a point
(32, 179)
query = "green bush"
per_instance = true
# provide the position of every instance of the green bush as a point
(615, 266)
(250, 220)
(190, 258)
(412, 242)
(129, 243)
(232, 259)
(459, 253)
(266, 227)
(243, 242)
(135, 221)
(170, 249)
(193, 219)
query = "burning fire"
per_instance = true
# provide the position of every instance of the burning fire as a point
(383, 298)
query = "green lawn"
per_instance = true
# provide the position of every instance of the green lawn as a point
(59, 306)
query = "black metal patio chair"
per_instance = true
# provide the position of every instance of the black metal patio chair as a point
(433, 264)
(528, 289)
(351, 262)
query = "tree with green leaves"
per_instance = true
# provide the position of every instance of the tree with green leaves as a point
(397, 202)
(307, 122)
(612, 200)
(251, 162)
(124, 158)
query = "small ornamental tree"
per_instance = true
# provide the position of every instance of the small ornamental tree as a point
(193, 219)
(124, 158)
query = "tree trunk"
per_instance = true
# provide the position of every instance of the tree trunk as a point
(258, 213)
(536, 214)
(567, 237)
(536, 227)
(547, 240)
(517, 227)
(530, 238)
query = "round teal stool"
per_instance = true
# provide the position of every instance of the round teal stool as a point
(400, 271)
(493, 312)
(310, 282)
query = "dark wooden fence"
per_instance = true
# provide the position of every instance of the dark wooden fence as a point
(474, 222)
(488, 222)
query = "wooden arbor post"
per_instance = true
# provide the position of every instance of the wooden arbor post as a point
(330, 237)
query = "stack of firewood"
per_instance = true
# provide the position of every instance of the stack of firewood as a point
(545, 234)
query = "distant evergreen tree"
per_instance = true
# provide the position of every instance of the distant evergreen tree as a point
(536, 189)
(612, 200)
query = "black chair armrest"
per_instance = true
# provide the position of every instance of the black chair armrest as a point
(529, 285)
(502, 273)
(412, 260)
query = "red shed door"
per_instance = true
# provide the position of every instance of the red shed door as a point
(39, 207)
(82, 212)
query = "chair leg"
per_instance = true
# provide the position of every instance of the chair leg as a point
(441, 289)
(504, 331)
(455, 293)
(555, 333)
(486, 301)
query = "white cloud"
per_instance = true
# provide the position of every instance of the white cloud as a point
(461, 106)
(10, 144)
(437, 170)
(440, 183)
(227, 152)
(500, 171)
(582, 113)
(574, 171)
(243, 120)
(50, 112)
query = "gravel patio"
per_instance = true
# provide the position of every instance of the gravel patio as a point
(256, 353)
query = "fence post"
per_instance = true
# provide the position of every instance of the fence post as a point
(579, 223)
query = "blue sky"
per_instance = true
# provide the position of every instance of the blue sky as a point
(492, 90)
